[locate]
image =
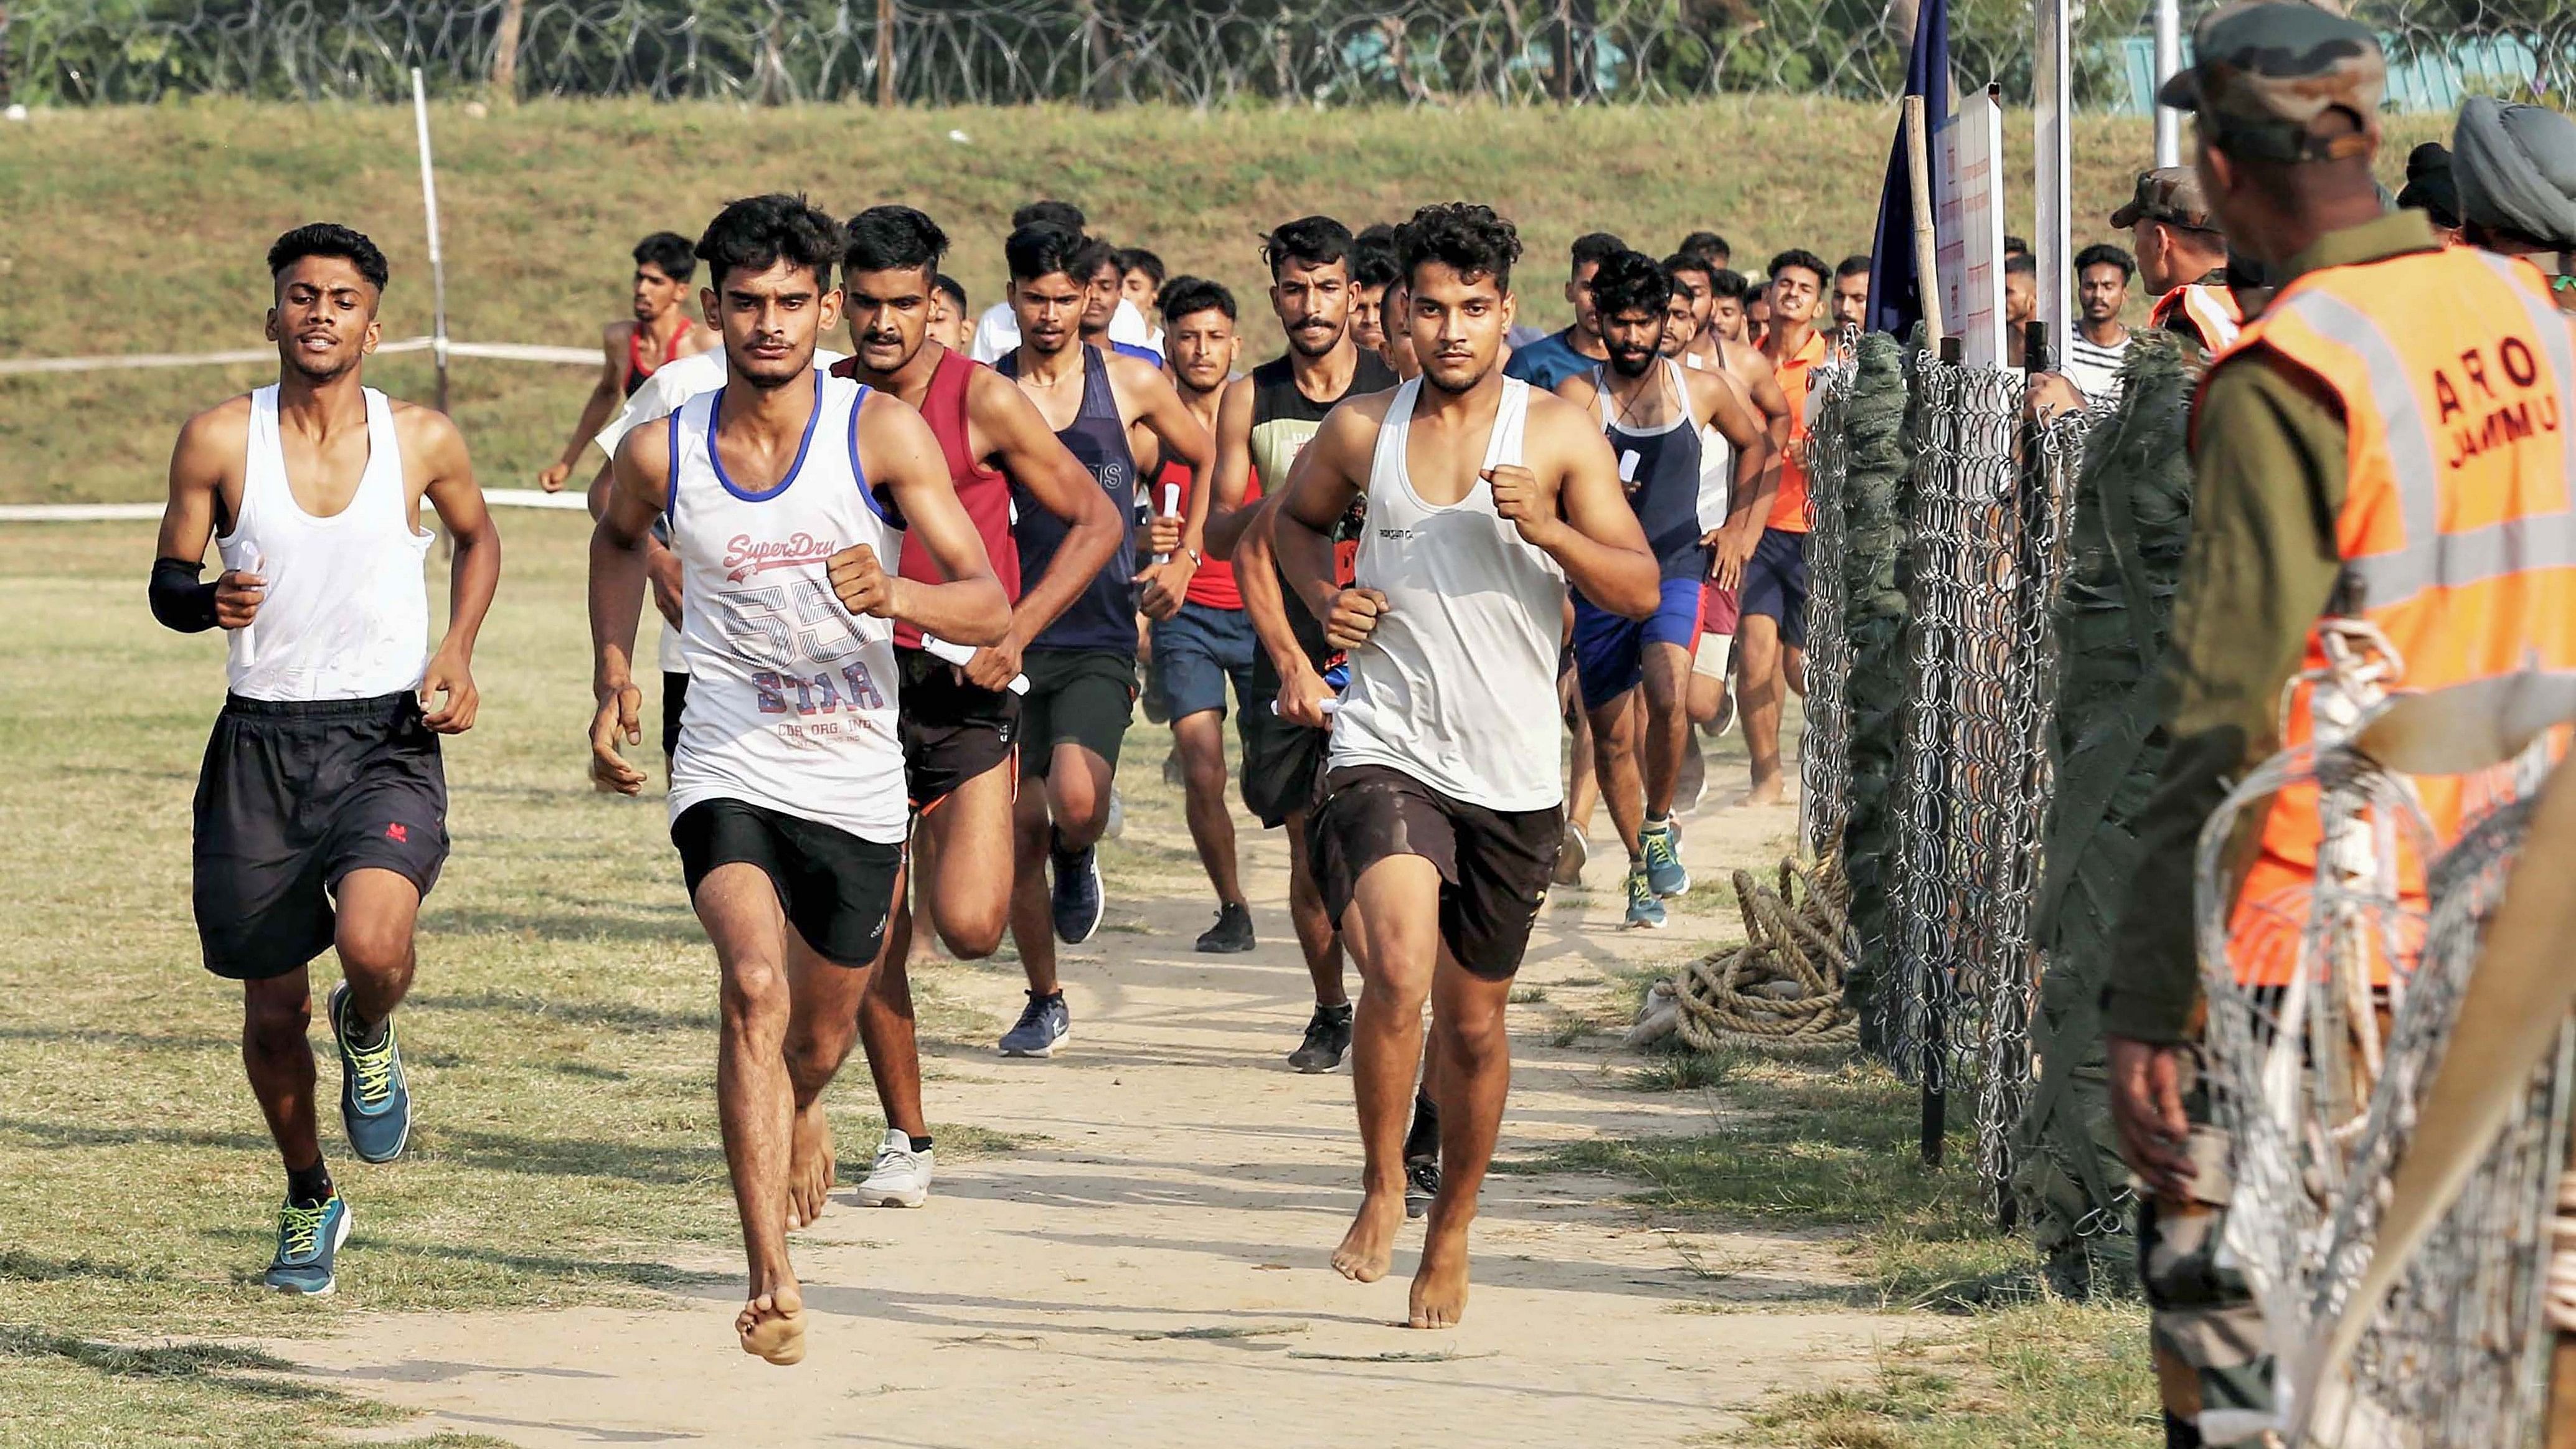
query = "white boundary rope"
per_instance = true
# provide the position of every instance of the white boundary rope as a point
(496, 351)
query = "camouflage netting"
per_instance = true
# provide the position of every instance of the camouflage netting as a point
(2133, 517)
(1874, 547)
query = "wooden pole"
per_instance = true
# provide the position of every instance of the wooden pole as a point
(1918, 179)
(505, 53)
(885, 54)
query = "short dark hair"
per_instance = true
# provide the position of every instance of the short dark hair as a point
(330, 239)
(669, 251)
(1042, 249)
(2103, 254)
(1855, 265)
(1373, 261)
(1137, 259)
(1466, 236)
(1680, 262)
(955, 289)
(1183, 296)
(2013, 244)
(1803, 259)
(1595, 247)
(1095, 254)
(759, 232)
(1051, 213)
(1709, 247)
(1309, 241)
(2022, 262)
(894, 239)
(1631, 282)
(1729, 283)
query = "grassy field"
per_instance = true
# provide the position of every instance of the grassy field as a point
(142, 230)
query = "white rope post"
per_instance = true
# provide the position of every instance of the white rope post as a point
(2168, 60)
(437, 263)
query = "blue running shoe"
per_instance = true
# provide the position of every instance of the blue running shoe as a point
(1043, 1027)
(1077, 898)
(1664, 869)
(308, 1238)
(1643, 908)
(375, 1104)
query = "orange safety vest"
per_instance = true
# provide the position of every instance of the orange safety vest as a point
(2456, 376)
(2209, 311)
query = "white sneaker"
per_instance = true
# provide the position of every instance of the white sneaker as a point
(1572, 850)
(900, 1176)
(1116, 825)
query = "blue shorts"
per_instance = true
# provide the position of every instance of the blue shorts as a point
(1610, 650)
(1775, 584)
(1197, 650)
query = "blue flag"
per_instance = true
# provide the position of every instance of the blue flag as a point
(1896, 281)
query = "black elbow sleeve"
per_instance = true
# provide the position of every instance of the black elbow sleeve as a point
(178, 600)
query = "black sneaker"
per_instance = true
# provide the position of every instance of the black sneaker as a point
(1075, 901)
(1421, 1185)
(1328, 1040)
(1232, 931)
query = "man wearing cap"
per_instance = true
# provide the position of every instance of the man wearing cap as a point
(2515, 168)
(2389, 442)
(2182, 260)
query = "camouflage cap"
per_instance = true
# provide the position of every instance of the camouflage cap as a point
(2169, 194)
(2265, 70)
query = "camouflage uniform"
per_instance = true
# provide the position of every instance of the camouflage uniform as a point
(2270, 460)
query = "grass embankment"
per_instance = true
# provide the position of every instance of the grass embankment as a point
(142, 230)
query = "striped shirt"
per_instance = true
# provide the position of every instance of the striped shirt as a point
(2094, 368)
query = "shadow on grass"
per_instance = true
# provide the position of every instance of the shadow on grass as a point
(218, 1365)
(20, 1266)
(66, 1135)
(619, 1015)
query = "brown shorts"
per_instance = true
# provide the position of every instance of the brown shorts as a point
(1494, 865)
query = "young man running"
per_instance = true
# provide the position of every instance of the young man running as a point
(1209, 642)
(781, 490)
(998, 330)
(1851, 292)
(1774, 597)
(1372, 273)
(958, 715)
(1107, 302)
(1634, 673)
(321, 814)
(1140, 282)
(1721, 346)
(1081, 668)
(948, 313)
(1439, 822)
(1268, 418)
(662, 332)
(1554, 358)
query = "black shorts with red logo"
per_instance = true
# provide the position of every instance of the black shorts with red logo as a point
(952, 731)
(293, 796)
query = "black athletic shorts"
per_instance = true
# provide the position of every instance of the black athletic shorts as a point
(835, 888)
(952, 731)
(675, 698)
(1076, 696)
(1283, 763)
(1494, 865)
(293, 796)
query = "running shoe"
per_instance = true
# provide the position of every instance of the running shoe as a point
(1116, 824)
(1077, 899)
(1421, 1185)
(1328, 1040)
(1690, 787)
(375, 1102)
(1725, 716)
(900, 1176)
(1042, 1027)
(308, 1238)
(1232, 931)
(1664, 869)
(1643, 908)
(1572, 850)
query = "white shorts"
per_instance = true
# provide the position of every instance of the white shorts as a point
(1709, 659)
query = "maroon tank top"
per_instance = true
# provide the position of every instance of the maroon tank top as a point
(985, 491)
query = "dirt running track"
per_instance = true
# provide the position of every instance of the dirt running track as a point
(1154, 1269)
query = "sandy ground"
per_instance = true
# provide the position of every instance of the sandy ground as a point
(1153, 1268)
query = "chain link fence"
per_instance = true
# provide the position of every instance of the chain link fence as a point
(1181, 52)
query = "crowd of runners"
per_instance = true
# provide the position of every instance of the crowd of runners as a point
(906, 590)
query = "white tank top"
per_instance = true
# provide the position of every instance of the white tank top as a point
(346, 612)
(1457, 686)
(791, 696)
(1716, 463)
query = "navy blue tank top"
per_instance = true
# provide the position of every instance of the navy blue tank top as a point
(1660, 469)
(1102, 616)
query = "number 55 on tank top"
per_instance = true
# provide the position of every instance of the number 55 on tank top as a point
(791, 697)
(1457, 685)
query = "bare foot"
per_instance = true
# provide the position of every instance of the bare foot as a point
(1439, 1296)
(772, 1325)
(810, 1170)
(1368, 1249)
(1764, 792)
